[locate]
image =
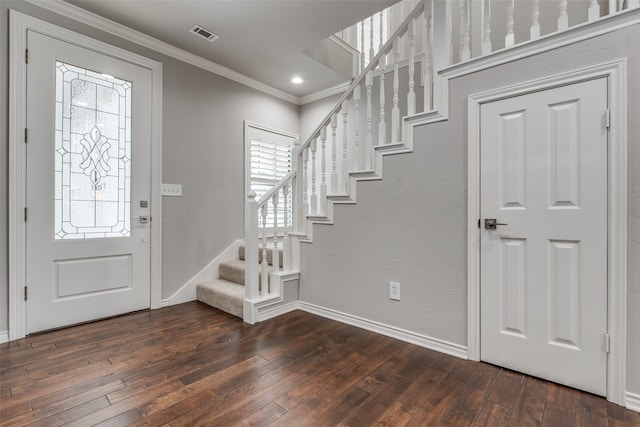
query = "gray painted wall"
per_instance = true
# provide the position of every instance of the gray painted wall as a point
(411, 227)
(203, 148)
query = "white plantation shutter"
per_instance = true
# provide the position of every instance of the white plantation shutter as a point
(270, 161)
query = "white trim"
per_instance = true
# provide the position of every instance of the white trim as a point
(325, 93)
(19, 24)
(187, 292)
(76, 13)
(425, 341)
(4, 336)
(633, 401)
(615, 71)
(278, 310)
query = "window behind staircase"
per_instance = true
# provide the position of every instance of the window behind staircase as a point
(269, 161)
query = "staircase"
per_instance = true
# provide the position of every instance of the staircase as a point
(396, 91)
(227, 292)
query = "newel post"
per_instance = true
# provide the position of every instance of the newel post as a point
(251, 247)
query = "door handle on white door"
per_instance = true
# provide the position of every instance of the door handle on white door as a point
(492, 223)
(143, 219)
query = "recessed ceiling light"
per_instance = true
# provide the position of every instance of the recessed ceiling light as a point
(297, 80)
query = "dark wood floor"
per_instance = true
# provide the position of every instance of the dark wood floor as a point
(190, 365)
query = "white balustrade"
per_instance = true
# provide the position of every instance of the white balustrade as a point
(372, 52)
(334, 169)
(286, 242)
(305, 183)
(382, 41)
(251, 238)
(594, 11)
(426, 65)
(486, 33)
(362, 55)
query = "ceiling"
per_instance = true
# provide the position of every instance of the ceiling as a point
(262, 39)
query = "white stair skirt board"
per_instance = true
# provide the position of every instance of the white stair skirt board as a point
(4, 336)
(420, 340)
(633, 401)
(188, 291)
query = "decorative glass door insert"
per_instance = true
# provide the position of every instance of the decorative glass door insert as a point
(92, 154)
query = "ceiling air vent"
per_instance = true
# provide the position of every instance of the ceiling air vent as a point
(203, 32)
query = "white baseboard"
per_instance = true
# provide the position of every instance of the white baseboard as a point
(431, 343)
(632, 401)
(188, 291)
(4, 336)
(278, 310)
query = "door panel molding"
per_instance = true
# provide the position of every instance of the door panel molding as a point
(615, 72)
(19, 24)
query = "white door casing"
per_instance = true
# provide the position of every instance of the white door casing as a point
(20, 25)
(543, 178)
(616, 153)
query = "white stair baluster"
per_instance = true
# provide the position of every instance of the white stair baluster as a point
(411, 95)
(395, 111)
(426, 66)
(382, 126)
(345, 149)
(372, 51)
(594, 10)
(334, 169)
(563, 19)
(264, 275)
(305, 183)
(286, 243)
(382, 41)
(314, 196)
(534, 32)
(362, 55)
(356, 124)
(486, 41)
(323, 174)
(368, 144)
(275, 255)
(465, 49)
(509, 39)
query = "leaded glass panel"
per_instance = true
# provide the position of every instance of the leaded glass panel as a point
(92, 154)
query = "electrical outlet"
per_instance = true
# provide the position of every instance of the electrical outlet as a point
(172, 190)
(394, 291)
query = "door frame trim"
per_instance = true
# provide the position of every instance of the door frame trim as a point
(19, 24)
(616, 73)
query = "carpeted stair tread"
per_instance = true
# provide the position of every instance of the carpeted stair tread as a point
(222, 294)
(233, 271)
(269, 255)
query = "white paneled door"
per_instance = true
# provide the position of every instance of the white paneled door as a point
(544, 234)
(88, 184)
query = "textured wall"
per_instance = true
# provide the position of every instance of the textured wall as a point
(411, 227)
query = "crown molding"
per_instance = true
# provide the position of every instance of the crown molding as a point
(335, 90)
(78, 14)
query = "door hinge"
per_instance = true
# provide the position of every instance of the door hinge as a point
(26, 56)
(26, 135)
(25, 214)
(607, 342)
(607, 118)
(25, 293)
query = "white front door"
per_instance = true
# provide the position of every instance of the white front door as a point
(544, 266)
(88, 184)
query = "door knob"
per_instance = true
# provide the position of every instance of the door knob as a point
(144, 219)
(492, 223)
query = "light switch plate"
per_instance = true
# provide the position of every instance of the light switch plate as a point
(172, 190)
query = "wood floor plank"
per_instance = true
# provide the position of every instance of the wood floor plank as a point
(190, 365)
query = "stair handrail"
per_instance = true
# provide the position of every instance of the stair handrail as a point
(373, 63)
(277, 186)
